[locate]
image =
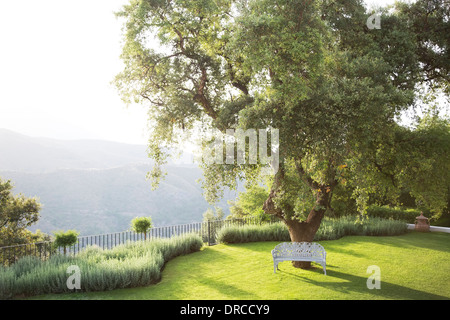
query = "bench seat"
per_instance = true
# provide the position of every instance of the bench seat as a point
(299, 251)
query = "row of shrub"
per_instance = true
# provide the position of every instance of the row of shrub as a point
(330, 229)
(128, 265)
(403, 214)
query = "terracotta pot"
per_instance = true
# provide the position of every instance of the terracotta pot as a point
(422, 223)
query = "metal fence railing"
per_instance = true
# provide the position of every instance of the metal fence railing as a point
(43, 250)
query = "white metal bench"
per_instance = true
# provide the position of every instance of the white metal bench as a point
(299, 251)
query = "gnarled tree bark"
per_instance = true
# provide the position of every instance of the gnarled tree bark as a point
(300, 231)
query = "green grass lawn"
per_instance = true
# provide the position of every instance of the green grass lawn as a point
(413, 266)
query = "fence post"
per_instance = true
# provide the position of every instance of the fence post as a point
(209, 233)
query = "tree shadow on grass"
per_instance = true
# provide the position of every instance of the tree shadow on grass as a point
(354, 285)
(423, 240)
(230, 291)
(410, 240)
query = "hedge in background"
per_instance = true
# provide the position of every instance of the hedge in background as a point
(330, 229)
(253, 233)
(128, 265)
(407, 215)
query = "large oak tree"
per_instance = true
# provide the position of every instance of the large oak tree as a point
(310, 68)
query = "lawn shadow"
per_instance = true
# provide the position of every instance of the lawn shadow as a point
(356, 284)
(261, 246)
(227, 289)
(423, 240)
(408, 240)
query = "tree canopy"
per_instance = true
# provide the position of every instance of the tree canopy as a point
(142, 225)
(249, 203)
(17, 213)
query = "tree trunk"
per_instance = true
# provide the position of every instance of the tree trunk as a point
(305, 231)
(302, 231)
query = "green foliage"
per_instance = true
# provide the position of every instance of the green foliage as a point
(128, 265)
(415, 160)
(250, 203)
(342, 203)
(330, 229)
(17, 213)
(407, 215)
(444, 220)
(141, 224)
(428, 20)
(253, 233)
(425, 163)
(212, 215)
(65, 238)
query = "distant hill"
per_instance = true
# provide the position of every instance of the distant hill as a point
(30, 154)
(97, 187)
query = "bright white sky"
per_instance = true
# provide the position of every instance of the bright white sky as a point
(57, 61)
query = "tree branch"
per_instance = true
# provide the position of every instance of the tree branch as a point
(269, 206)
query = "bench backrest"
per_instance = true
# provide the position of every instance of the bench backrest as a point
(299, 249)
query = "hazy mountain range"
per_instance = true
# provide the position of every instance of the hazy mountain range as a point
(97, 186)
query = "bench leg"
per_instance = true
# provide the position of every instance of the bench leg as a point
(275, 267)
(324, 268)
